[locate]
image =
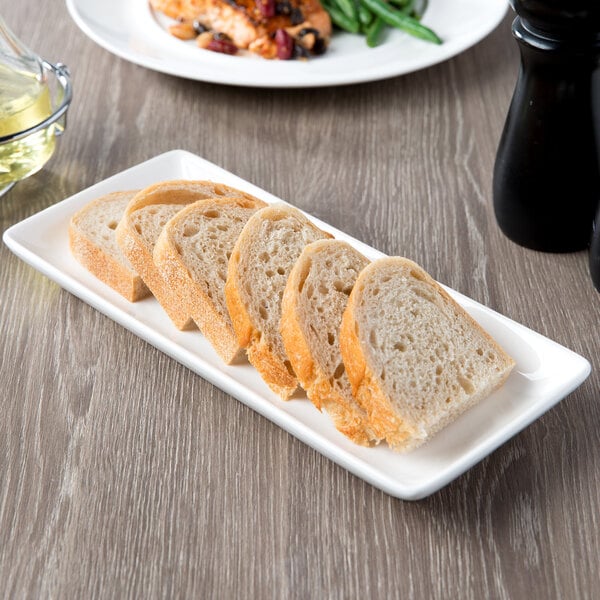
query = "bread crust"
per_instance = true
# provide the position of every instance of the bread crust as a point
(314, 381)
(106, 268)
(279, 377)
(189, 294)
(296, 348)
(182, 192)
(366, 384)
(365, 387)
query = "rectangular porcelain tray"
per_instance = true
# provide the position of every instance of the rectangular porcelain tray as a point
(545, 371)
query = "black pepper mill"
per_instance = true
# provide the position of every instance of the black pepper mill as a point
(547, 175)
(595, 253)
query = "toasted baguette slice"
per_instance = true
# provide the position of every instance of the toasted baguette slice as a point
(414, 357)
(314, 300)
(145, 216)
(192, 253)
(262, 259)
(93, 243)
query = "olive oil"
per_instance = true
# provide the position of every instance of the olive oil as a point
(24, 102)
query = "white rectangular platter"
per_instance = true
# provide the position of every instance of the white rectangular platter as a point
(545, 371)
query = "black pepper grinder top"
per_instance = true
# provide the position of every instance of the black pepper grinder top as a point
(547, 171)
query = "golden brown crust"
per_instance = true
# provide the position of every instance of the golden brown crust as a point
(141, 258)
(181, 192)
(190, 296)
(242, 325)
(280, 380)
(365, 388)
(279, 376)
(294, 342)
(318, 389)
(365, 384)
(106, 268)
(354, 362)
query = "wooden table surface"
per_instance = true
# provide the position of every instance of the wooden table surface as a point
(124, 474)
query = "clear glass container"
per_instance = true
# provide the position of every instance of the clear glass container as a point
(34, 98)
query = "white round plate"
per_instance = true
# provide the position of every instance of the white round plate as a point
(131, 30)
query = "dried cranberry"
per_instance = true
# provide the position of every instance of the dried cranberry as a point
(266, 8)
(223, 46)
(285, 44)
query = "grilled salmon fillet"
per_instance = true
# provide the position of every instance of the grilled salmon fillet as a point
(256, 24)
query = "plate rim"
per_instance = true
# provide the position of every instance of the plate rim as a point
(361, 468)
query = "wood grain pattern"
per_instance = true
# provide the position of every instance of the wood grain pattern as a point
(122, 474)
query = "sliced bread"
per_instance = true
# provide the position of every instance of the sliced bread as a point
(93, 243)
(192, 253)
(145, 216)
(414, 357)
(263, 256)
(314, 300)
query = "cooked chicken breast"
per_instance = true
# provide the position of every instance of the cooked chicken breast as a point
(256, 24)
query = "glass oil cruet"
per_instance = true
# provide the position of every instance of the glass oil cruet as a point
(32, 110)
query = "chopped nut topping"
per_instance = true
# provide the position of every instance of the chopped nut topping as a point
(183, 31)
(204, 39)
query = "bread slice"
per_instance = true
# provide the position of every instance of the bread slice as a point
(145, 216)
(314, 300)
(192, 253)
(263, 256)
(414, 357)
(93, 243)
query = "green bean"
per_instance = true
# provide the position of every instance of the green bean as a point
(347, 7)
(341, 20)
(399, 3)
(365, 16)
(370, 17)
(374, 32)
(407, 6)
(398, 19)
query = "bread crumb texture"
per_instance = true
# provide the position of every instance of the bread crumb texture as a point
(426, 359)
(314, 301)
(264, 255)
